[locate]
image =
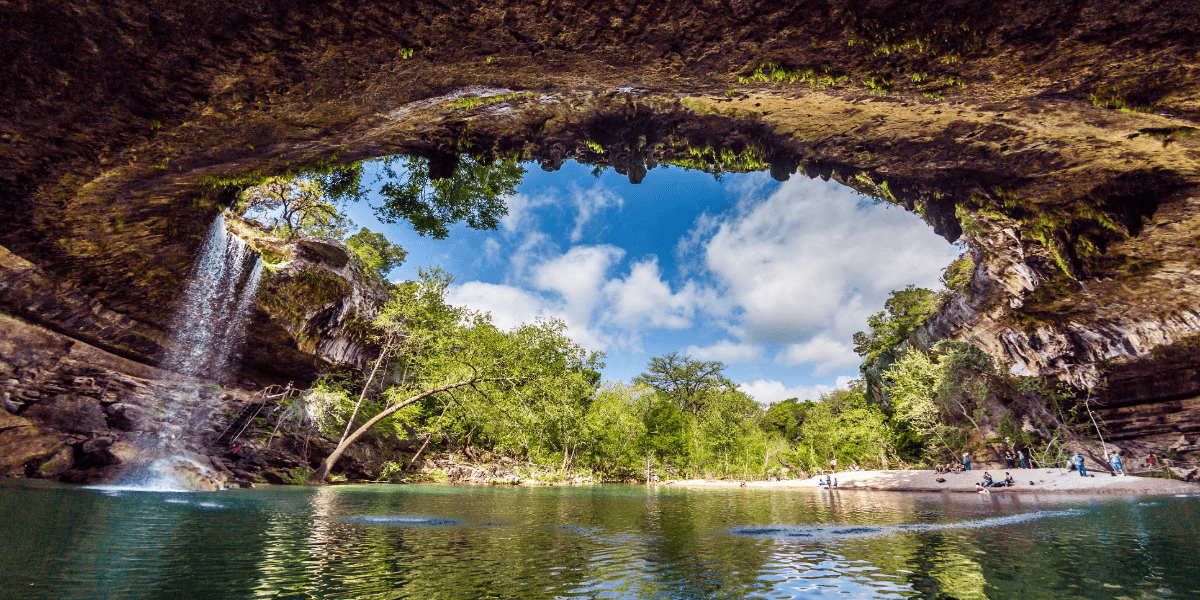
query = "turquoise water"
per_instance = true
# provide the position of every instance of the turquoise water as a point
(439, 541)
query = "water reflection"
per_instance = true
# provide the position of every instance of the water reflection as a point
(604, 542)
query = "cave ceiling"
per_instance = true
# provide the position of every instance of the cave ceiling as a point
(1055, 139)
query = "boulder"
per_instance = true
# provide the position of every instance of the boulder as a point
(124, 416)
(80, 414)
(22, 446)
(96, 452)
(1185, 474)
(63, 460)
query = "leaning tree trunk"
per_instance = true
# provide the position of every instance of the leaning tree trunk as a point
(320, 474)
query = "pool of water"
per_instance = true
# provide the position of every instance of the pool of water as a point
(613, 541)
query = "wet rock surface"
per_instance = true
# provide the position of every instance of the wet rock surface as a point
(85, 416)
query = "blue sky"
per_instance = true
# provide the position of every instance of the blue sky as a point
(771, 278)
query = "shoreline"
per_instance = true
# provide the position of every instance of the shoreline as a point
(1043, 481)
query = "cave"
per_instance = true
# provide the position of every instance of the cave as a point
(1057, 142)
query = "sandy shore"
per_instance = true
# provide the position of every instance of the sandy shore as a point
(1044, 480)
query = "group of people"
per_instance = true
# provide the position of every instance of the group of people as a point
(989, 483)
(827, 482)
(1075, 463)
(1012, 460)
(948, 468)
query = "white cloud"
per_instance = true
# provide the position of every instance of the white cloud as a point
(769, 391)
(520, 212)
(577, 277)
(806, 266)
(512, 307)
(643, 299)
(589, 203)
(828, 354)
(727, 351)
(491, 250)
(509, 306)
(790, 275)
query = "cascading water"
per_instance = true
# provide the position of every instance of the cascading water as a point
(210, 323)
(206, 333)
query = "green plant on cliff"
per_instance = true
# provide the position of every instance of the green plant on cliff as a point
(290, 297)
(957, 275)
(474, 193)
(903, 312)
(377, 253)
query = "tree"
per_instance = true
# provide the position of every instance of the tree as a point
(786, 417)
(377, 253)
(295, 207)
(473, 193)
(430, 349)
(690, 383)
(904, 311)
(615, 423)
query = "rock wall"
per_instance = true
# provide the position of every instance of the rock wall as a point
(83, 401)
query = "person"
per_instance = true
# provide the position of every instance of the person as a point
(833, 464)
(987, 480)
(966, 461)
(1116, 463)
(1008, 479)
(828, 483)
(1078, 459)
(1008, 459)
(835, 482)
(1021, 459)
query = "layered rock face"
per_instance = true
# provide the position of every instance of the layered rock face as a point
(1057, 141)
(84, 402)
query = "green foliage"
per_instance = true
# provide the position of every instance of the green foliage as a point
(903, 312)
(291, 297)
(517, 390)
(843, 424)
(474, 193)
(377, 253)
(957, 275)
(719, 161)
(690, 383)
(878, 85)
(786, 417)
(470, 102)
(777, 75)
(294, 208)
(933, 393)
(328, 405)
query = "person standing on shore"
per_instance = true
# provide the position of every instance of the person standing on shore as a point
(1082, 468)
(1021, 458)
(1116, 463)
(1008, 459)
(833, 464)
(966, 461)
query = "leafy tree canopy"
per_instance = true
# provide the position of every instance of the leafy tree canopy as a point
(688, 382)
(904, 311)
(431, 349)
(474, 193)
(293, 208)
(377, 253)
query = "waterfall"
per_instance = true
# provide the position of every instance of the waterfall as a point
(207, 331)
(210, 323)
